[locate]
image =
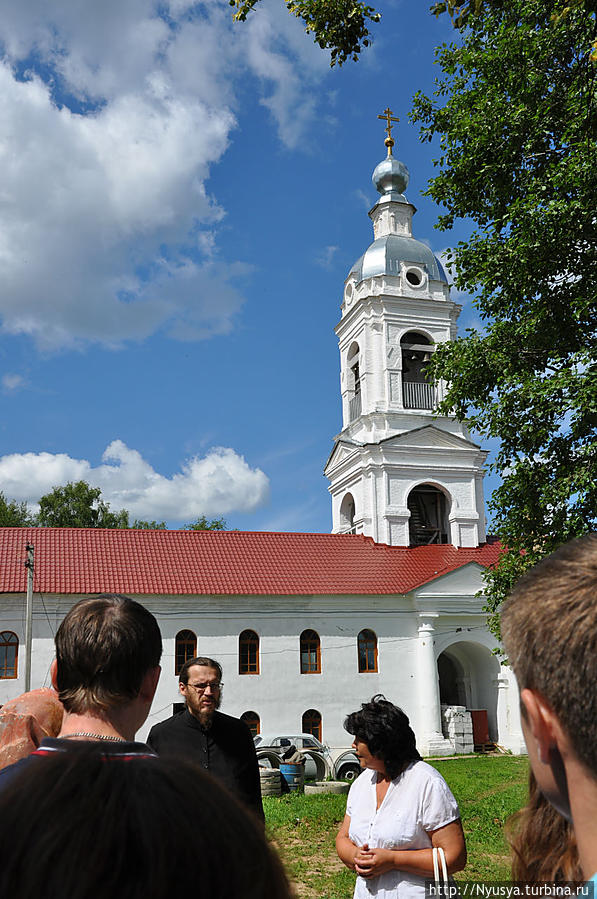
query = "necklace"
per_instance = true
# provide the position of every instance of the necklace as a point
(95, 737)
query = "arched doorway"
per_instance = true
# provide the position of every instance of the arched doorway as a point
(451, 688)
(468, 675)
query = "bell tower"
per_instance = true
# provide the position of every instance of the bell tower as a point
(399, 472)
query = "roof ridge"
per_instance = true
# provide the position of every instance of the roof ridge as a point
(142, 562)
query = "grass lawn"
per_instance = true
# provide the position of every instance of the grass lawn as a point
(488, 789)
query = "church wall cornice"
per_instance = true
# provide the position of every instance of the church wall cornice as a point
(397, 308)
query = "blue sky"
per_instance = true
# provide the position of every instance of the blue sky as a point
(181, 199)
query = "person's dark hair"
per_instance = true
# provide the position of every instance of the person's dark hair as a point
(542, 842)
(200, 660)
(549, 629)
(386, 731)
(82, 825)
(104, 647)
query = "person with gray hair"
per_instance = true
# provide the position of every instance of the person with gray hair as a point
(549, 630)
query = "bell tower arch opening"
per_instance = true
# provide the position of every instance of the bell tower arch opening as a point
(354, 381)
(347, 514)
(417, 391)
(428, 522)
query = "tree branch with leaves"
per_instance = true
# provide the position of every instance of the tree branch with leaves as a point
(515, 115)
(341, 26)
(77, 505)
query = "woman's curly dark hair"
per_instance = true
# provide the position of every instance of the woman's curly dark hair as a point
(386, 731)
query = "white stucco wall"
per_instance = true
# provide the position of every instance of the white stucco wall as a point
(280, 694)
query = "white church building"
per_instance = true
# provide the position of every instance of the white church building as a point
(308, 626)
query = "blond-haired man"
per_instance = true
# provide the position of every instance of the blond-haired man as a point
(549, 629)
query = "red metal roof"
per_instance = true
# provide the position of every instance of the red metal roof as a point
(93, 560)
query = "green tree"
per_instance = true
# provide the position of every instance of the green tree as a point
(14, 514)
(337, 25)
(206, 524)
(515, 110)
(77, 505)
(141, 525)
(460, 12)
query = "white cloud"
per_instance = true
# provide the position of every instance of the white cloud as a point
(75, 238)
(12, 382)
(107, 231)
(363, 198)
(274, 41)
(216, 484)
(326, 257)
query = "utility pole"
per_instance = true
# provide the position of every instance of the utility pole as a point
(28, 616)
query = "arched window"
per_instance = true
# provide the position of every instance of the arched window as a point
(367, 651)
(252, 721)
(347, 513)
(248, 653)
(354, 382)
(428, 522)
(312, 723)
(9, 653)
(417, 392)
(185, 649)
(310, 653)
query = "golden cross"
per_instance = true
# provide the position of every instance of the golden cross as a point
(387, 115)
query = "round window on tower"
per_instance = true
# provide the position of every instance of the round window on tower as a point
(348, 293)
(414, 277)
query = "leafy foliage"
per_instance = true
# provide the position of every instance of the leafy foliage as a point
(14, 514)
(516, 114)
(337, 25)
(206, 524)
(140, 524)
(460, 10)
(77, 505)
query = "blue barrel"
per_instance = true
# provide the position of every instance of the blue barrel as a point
(294, 775)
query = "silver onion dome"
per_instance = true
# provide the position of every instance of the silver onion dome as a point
(386, 255)
(390, 250)
(391, 177)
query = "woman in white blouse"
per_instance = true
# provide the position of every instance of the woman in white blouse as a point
(398, 809)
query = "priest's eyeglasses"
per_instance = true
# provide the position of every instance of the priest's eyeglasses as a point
(201, 688)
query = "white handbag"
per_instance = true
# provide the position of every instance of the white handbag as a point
(441, 883)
